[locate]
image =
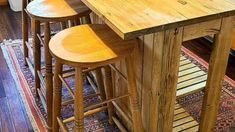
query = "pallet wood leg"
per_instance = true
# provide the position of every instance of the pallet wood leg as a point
(100, 83)
(35, 25)
(24, 31)
(56, 97)
(109, 91)
(48, 75)
(166, 53)
(78, 101)
(217, 68)
(134, 101)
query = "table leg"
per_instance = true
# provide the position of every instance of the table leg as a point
(217, 68)
(165, 61)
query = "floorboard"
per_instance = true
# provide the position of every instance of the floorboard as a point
(5, 116)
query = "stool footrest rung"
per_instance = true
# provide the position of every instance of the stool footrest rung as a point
(41, 78)
(30, 48)
(71, 73)
(119, 124)
(91, 96)
(67, 86)
(90, 112)
(105, 102)
(92, 83)
(68, 73)
(122, 113)
(43, 100)
(30, 65)
(62, 126)
(40, 39)
(119, 73)
(68, 101)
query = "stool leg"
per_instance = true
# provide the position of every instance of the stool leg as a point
(71, 23)
(77, 21)
(78, 101)
(35, 25)
(62, 25)
(48, 75)
(100, 83)
(134, 102)
(88, 19)
(109, 91)
(56, 96)
(24, 30)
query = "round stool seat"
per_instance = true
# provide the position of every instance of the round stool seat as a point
(56, 9)
(87, 45)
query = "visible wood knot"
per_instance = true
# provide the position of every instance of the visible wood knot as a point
(176, 31)
(182, 2)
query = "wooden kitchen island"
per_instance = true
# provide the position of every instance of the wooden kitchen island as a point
(161, 26)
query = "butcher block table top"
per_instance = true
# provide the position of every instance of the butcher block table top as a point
(161, 26)
(131, 18)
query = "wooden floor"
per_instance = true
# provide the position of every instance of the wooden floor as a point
(12, 113)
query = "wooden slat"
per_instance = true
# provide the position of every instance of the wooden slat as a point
(191, 82)
(190, 78)
(191, 89)
(183, 121)
(185, 67)
(184, 62)
(188, 71)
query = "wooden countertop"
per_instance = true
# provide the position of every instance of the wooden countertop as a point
(132, 18)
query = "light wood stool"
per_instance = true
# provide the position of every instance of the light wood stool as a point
(45, 12)
(91, 46)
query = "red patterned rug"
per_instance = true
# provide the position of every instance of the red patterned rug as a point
(192, 103)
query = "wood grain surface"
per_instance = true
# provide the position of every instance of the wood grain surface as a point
(132, 18)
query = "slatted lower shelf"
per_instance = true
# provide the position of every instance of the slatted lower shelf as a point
(183, 122)
(191, 78)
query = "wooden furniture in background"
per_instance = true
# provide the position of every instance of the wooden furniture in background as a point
(161, 27)
(3, 2)
(44, 12)
(233, 42)
(92, 46)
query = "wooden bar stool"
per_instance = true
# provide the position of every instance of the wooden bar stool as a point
(91, 46)
(45, 12)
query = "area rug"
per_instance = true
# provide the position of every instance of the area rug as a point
(13, 54)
